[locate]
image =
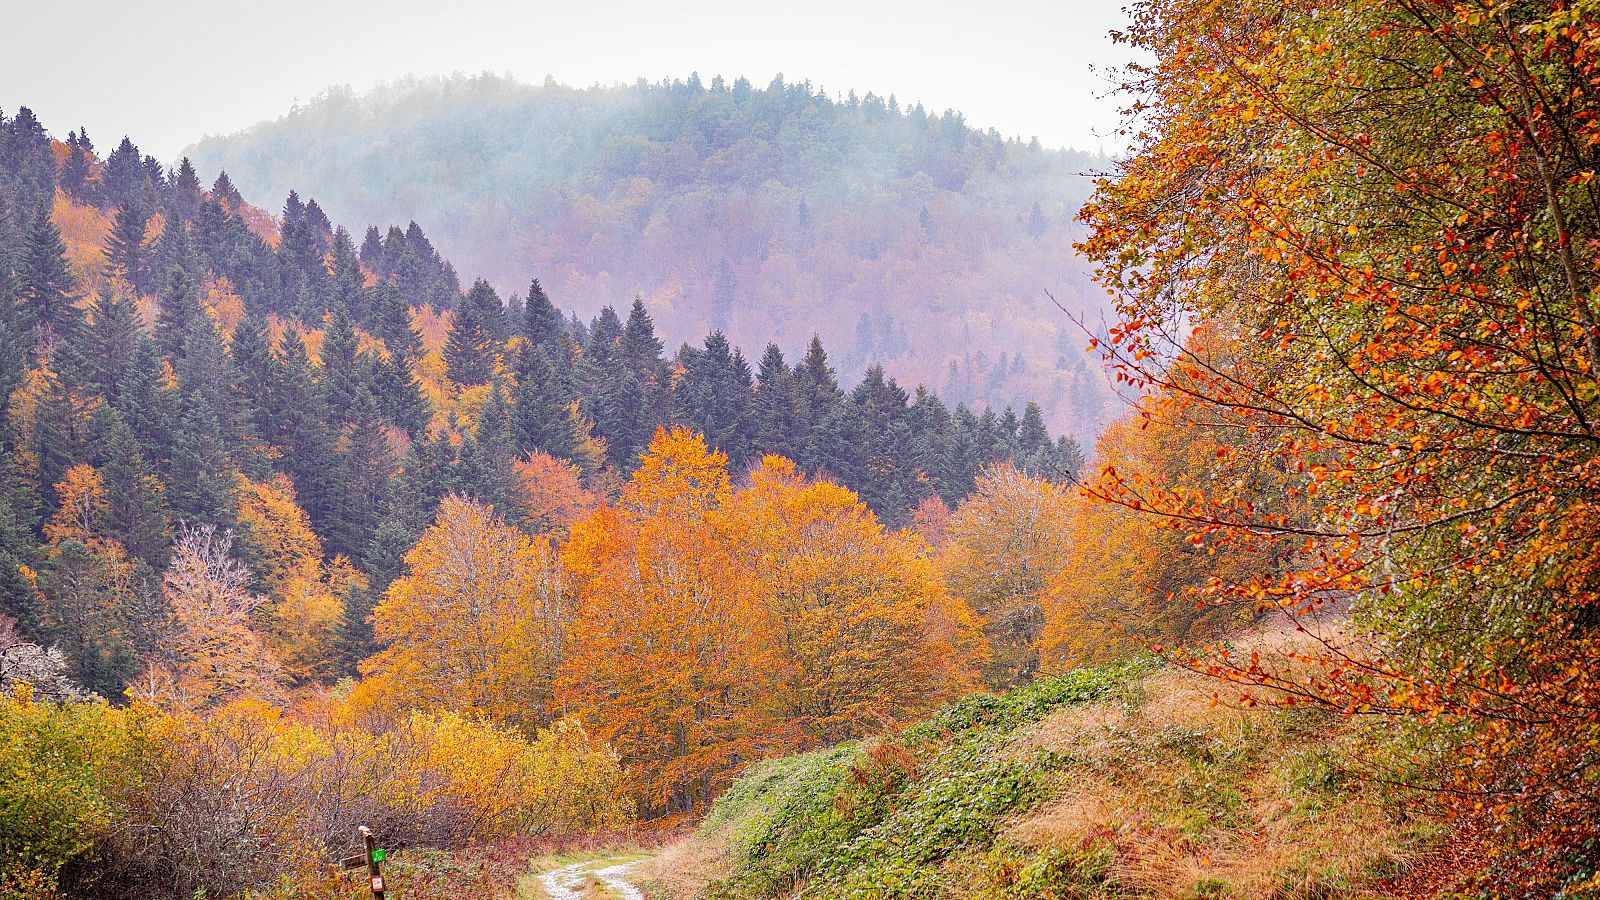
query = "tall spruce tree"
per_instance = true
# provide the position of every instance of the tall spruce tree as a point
(101, 348)
(542, 418)
(136, 500)
(716, 398)
(777, 423)
(127, 247)
(469, 347)
(491, 312)
(343, 372)
(817, 398)
(46, 290)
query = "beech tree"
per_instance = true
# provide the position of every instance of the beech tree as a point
(1384, 215)
(671, 649)
(211, 653)
(479, 621)
(867, 635)
(1004, 546)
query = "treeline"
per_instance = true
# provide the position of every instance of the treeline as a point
(904, 236)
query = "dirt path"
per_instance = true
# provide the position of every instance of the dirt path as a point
(569, 881)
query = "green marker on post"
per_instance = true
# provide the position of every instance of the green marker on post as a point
(378, 855)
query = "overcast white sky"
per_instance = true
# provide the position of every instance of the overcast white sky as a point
(168, 72)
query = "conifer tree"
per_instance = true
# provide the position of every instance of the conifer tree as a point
(201, 487)
(135, 499)
(407, 507)
(486, 456)
(300, 430)
(469, 348)
(640, 350)
(173, 250)
(364, 467)
(491, 312)
(102, 347)
(145, 404)
(400, 395)
(46, 290)
(817, 396)
(127, 248)
(252, 359)
(715, 398)
(342, 372)
(348, 287)
(18, 518)
(391, 321)
(930, 440)
(777, 426)
(1032, 436)
(186, 190)
(180, 310)
(542, 419)
(123, 177)
(10, 263)
(622, 415)
(371, 253)
(640, 347)
(75, 172)
(62, 434)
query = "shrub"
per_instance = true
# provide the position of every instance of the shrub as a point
(58, 765)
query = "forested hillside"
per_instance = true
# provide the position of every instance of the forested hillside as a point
(286, 510)
(902, 235)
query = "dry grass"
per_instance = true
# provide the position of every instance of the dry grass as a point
(683, 869)
(1202, 798)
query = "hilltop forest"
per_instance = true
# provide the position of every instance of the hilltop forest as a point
(906, 237)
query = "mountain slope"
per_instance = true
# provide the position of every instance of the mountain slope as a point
(906, 238)
(1122, 781)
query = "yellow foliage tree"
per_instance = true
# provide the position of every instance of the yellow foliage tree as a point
(868, 636)
(305, 608)
(89, 586)
(82, 498)
(1004, 547)
(479, 621)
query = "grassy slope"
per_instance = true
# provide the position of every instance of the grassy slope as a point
(1115, 782)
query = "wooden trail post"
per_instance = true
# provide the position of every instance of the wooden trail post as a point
(371, 858)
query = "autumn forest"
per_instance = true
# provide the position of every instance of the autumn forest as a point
(304, 524)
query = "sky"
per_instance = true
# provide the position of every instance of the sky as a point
(168, 72)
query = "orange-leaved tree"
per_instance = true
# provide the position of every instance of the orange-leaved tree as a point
(1129, 580)
(671, 654)
(210, 654)
(1385, 212)
(549, 495)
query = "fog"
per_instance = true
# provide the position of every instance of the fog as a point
(171, 72)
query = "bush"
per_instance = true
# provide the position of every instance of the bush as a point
(247, 797)
(59, 764)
